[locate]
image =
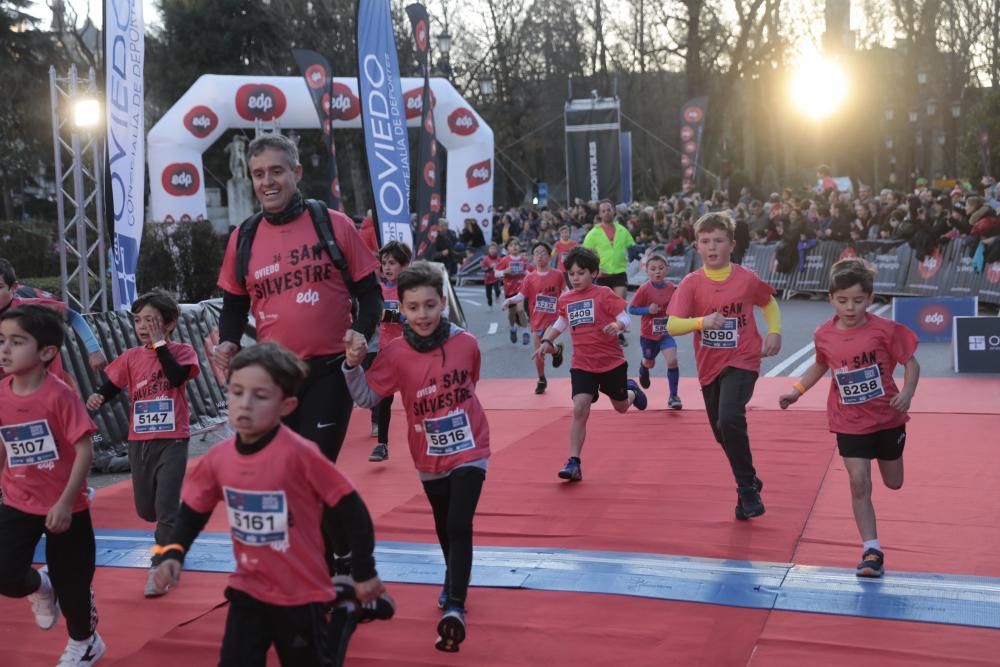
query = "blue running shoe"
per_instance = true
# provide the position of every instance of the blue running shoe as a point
(525, 338)
(513, 335)
(451, 630)
(644, 376)
(572, 470)
(640, 397)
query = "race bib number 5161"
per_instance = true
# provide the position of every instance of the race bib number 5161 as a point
(258, 518)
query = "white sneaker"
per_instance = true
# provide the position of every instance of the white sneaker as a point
(44, 604)
(82, 653)
(151, 591)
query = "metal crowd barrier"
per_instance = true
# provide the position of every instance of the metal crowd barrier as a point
(948, 271)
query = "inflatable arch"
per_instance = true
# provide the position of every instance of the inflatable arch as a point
(216, 103)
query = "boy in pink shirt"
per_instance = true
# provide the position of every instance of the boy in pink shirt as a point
(47, 452)
(540, 291)
(650, 302)
(156, 373)
(512, 270)
(716, 303)
(595, 316)
(281, 496)
(435, 368)
(867, 412)
(394, 257)
(490, 280)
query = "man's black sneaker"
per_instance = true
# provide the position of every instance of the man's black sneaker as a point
(557, 356)
(379, 453)
(872, 564)
(451, 630)
(750, 504)
(540, 387)
(644, 377)
(757, 484)
(381, 608)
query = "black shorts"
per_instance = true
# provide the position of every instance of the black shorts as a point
(884, 445)
(613, 280)
(610, 383)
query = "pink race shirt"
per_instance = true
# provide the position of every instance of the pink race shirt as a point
(862, 361)
(588, 311)
(39, 433)
(489, 265)
(446, 424)
(274, 502)
(561, 249)
(515, 269)
(297, 296)
(738, 343)
(654, 327)
(541, 294)
(389, 331)
(158, 410)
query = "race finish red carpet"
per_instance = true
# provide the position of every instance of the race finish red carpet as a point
(654, 483)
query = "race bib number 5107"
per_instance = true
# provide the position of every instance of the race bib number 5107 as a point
(29, 444)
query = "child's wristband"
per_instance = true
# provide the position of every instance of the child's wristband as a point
(157, 550)
(799, 388)
(700, 323)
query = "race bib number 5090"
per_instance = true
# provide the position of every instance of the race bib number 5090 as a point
(726, 338)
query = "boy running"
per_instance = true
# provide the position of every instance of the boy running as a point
(46, 436)
(596, 316)
(866, 410)
(513, 268)
(541, 290)
(280, 492)
(156, 373)
(562, 248)
(490, 280)
(395, 257)
(650, 302)
(435, 368)
(716, 303)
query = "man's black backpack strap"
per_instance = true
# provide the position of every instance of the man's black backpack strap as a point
(324, 233)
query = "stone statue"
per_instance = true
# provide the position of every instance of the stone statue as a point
(239, 190)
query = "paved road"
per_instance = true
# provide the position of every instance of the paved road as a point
(800, 316)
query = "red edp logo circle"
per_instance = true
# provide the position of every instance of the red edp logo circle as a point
(934, 319)
(930, 265)
(201, 121)
(462, 122)
(993, 272)
(181, 179)
(260, 101)
(316, 76)
(344, 105)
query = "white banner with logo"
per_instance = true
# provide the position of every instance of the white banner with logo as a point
(124, 96)
(217, 103)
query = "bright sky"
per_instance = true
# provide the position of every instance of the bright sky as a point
(41, 10)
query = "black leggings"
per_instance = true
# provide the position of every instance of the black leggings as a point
(492, 290)
(383, 413)
(453, 501)
(71, 560)
(726, 401)
(324, 409)
(300, 634)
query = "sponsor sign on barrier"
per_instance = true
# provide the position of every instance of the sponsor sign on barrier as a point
(976, 344)
(892, 261)
(931, 317)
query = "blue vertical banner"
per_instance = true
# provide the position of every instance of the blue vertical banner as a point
(625, 143)
(383, 119)
(126, 141)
